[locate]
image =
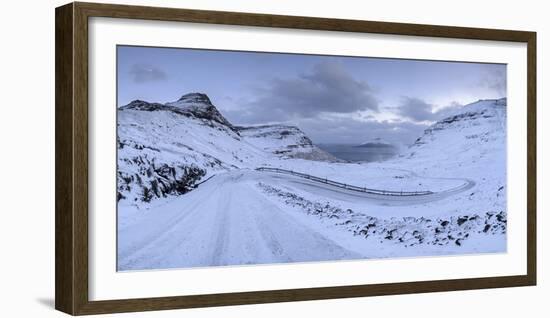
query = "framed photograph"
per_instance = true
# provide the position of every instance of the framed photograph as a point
(210, 158)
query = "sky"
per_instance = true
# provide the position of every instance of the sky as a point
(333, 99)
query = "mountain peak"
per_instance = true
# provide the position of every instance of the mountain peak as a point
(195, 98)
(195, 105)
(199, 106)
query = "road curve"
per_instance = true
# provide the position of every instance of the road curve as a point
(342, 194)
(229, 220)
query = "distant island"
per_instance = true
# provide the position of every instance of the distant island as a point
(376, 143)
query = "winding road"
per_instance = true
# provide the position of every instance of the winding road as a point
(229, 220)
(342, 194)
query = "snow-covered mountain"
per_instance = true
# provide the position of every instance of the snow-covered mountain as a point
(474, 132)
(195, 105)
(471, 143)
(166, 149)
(200, 106)
(282, 140)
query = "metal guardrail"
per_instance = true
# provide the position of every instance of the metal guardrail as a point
(203, 181)
(345, 185)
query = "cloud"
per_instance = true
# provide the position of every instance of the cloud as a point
(332, 106)
(415, 109)
(142, 73)
(495, 78)
(327, 88)
(350, 131)
(418, 110)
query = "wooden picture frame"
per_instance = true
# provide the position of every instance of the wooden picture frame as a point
(71, 222)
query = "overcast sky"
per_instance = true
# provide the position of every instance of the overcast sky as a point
(332, 99)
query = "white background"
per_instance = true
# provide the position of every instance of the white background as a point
(27, 159)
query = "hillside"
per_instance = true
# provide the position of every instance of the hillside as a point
(166, 149)
(471, 144)
(286, 141)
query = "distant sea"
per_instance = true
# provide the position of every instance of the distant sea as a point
(359, 153)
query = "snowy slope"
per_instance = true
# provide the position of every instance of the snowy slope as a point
(475, 131)
(286, 141)
(166, 149)
(200, 106)
(470, 144)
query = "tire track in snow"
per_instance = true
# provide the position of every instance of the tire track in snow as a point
(223, 225)
(159, 235)
(215, 229)
(292, 241)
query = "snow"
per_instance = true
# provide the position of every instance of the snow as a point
(242, 216)
(288, 141)
(215, 226)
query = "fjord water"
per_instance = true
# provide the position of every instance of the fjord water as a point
(356, 153)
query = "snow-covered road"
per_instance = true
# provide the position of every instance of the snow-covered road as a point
(345, 195)
(229, 220)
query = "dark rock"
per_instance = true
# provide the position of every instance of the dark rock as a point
(461, 220)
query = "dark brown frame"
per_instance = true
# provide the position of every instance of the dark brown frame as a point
(71, 158)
